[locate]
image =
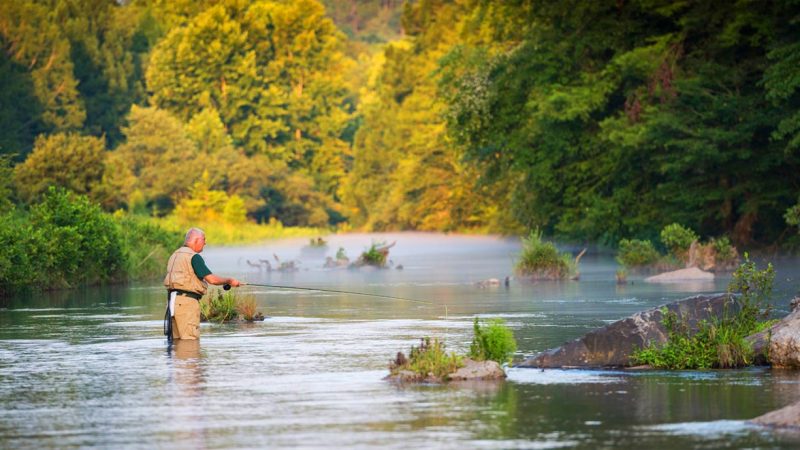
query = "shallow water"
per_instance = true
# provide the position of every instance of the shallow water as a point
(90, 368)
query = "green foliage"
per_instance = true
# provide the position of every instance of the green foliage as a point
(542, 260)
(373, 256)
(63, 159)
(637, 253)
(146, 246)
(6, 178)
(792, 215)
(493, 342)
(430, 359)
(719, 343)
(723, 249)
(677, 238)
(219, 307)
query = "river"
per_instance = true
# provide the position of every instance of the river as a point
(91, 368)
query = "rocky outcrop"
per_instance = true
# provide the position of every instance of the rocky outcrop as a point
(787, 417)
(779, 345)
(678, 276)
(478, 370)
(612, 345)
(470, 371)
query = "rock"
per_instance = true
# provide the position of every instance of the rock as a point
(779, 345)
(612, 345)
(787, 417)
(478, 370)
(677, 276)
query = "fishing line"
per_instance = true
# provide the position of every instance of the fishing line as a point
(227, 286)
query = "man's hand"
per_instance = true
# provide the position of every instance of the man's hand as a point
(234, 282)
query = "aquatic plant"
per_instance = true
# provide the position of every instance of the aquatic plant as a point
(635, 253)
(219, 306)
(542, 260)
(494, 342)
(429, 360)
(622, 276)
(375, 255)
(720, 342)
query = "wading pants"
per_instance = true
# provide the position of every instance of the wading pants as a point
(186, 321)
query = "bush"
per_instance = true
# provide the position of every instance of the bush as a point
(429, 359)
(24, 252)
(542, 260)
(85, 242)
(637, 253)
(719, 343)
(677, 239)
(723, 249)
(494, 342)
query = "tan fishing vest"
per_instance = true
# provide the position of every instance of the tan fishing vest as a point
(180, 274)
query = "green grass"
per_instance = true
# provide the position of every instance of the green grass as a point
(429, 359)
(494, 342)
(542, 260)
(635, 253)
(219, 306)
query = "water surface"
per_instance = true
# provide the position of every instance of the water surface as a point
(90, 367)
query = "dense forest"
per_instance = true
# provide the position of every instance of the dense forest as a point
(591, 121)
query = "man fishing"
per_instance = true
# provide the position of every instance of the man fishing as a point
(187, 281)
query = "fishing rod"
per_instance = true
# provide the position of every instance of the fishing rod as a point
(228, 286)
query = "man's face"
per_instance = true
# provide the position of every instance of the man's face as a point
(198, 243)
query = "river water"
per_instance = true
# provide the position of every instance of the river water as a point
(91, 368)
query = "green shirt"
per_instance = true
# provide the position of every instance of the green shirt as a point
(199, 266)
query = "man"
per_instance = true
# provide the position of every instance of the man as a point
(187, 281)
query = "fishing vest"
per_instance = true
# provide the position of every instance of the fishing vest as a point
(180, 274)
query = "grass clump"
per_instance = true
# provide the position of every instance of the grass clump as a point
(226, 306)
(541, 260)
(247, 308)
(718, 343)
(429, 360)
(219, 307)
(493, 342)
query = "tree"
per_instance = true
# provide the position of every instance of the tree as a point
(64, 159)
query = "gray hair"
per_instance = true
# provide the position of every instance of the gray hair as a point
(192, 233)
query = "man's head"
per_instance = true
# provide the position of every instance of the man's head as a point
(195, 239)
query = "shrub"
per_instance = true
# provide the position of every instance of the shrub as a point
(493, 342)
(85, 242)
(542, 260)
(723, 249)
(637, 253)
(428, 360)
(719, 343)
(677, 239)
(219, 307)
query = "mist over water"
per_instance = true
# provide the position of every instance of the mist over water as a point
(90, 367)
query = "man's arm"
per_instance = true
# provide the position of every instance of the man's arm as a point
(213, 279)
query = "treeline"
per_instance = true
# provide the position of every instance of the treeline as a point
(591, 121)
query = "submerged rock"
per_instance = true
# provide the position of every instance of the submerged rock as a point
(786, 417)
(677, 276)
(612, 345)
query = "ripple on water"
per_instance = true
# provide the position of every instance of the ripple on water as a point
(560, 376)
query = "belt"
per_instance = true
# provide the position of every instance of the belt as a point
(193, 295)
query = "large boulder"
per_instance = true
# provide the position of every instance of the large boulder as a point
(612, 345)
(779, 345)
(786, 417)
